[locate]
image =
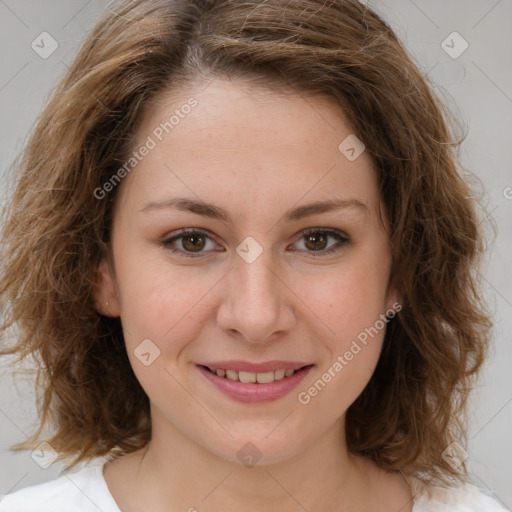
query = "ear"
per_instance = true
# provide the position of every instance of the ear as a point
(104, 292)
(393, 298)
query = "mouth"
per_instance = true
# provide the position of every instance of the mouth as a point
(254, 377)
(247, 383)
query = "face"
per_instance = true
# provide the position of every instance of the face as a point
(251, 281)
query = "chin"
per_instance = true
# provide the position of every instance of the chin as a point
(259, 449)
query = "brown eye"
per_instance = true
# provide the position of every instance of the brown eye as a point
(193, 242)
(316, 241)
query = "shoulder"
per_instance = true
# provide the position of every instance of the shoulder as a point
(84, 491)
(463, 498)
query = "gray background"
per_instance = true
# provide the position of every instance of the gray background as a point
(478, 89)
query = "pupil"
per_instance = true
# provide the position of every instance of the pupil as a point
(316, 238)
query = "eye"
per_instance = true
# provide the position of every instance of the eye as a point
(193, 241)
(316, 241)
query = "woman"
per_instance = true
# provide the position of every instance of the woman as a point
(242, 253)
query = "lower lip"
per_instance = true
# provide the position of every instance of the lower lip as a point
(253, 392)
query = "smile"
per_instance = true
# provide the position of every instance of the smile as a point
(251, 377)
(254, 386)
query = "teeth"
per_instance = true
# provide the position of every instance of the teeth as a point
(279, 374)
(247, 377)
(265, 378)
(252, 378)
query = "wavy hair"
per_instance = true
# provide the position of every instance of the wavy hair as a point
(55, 229)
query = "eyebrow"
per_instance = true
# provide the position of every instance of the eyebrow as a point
(216, 212)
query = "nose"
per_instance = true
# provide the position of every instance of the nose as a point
(257, 305)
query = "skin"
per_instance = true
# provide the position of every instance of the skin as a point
(257, 154)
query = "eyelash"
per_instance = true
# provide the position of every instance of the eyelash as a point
(341, 237)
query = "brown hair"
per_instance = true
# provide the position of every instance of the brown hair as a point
(55, 230)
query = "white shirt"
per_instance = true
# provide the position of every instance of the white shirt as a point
(86, 491)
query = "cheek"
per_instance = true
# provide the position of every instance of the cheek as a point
(356, 310)
(168, 309)
(349, 300)
(161, 304)
(352, 306)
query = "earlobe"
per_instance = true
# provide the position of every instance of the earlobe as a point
(104, 293)
(393, 300)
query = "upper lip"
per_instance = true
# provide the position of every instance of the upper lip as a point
(246, 366)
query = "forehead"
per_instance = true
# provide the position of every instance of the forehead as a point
(239, 114)
(243, 139)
